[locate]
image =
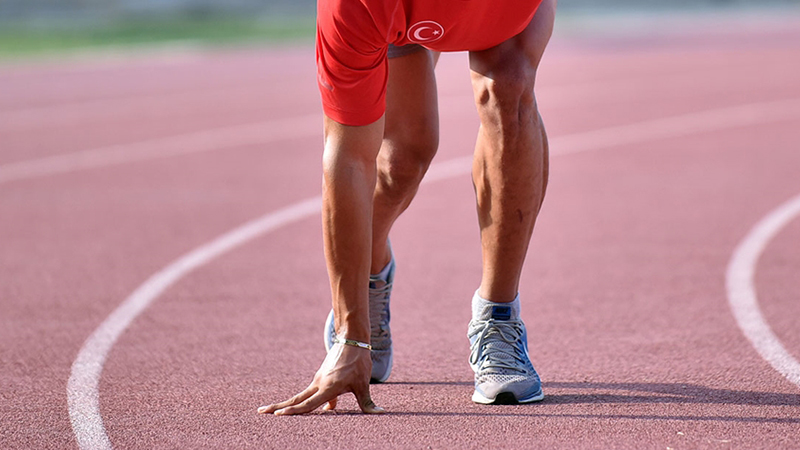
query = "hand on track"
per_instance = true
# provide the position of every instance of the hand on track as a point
(345, 369)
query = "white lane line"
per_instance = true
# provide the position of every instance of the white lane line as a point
(203, 141)
(82, 389)
(740, 279)
(651, 130)
(274, 130)
(160, 105)
(682, 125)
(168, 105)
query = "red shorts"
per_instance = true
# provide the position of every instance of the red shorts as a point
(353, 36)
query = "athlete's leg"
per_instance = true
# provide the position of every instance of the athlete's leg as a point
(511, 156)
(411, 137)
(510, 176)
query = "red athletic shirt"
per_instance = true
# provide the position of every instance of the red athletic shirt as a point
(353, 36)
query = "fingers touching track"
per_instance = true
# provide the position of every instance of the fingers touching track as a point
(345, 369)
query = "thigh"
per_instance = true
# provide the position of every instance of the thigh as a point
(412, 117)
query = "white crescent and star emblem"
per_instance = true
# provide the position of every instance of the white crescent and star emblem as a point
(425, 31)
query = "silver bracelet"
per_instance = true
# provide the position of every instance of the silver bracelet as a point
(337, 340)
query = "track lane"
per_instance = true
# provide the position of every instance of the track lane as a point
(464, 169)
(646, 394)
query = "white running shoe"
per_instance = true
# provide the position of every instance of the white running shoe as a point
(499, 356)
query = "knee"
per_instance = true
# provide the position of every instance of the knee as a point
(512, 132)
(503, 77)
(338, 163)
(403, 162)
(506, 98)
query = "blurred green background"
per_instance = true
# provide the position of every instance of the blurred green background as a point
(46, 27)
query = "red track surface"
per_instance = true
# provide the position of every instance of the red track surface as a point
(623, 293)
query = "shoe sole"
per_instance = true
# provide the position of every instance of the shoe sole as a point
(506, 398)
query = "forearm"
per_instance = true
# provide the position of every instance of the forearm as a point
(348, 185)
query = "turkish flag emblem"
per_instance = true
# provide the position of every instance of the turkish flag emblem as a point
(425, 31)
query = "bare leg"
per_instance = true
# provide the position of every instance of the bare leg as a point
(510, 165)
(410, 140)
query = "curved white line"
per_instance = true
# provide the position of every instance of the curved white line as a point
(82, 388)
(740, 280)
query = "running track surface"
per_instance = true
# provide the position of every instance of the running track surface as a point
(667, 150)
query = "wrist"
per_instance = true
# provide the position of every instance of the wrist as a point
(352, 343)
(354, 327)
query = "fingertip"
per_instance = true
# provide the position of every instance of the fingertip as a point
(331, 405)
(263, 409)
(371, 408)
(376, 410)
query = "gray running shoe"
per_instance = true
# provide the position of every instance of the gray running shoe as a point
(380, 292)
(499, 357)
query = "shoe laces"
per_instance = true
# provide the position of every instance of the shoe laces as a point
(498, 348)
(379, 293)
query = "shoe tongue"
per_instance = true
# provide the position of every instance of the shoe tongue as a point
(501, 312)
(484, 310)
(379, 280)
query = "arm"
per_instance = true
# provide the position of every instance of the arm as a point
(348, 185)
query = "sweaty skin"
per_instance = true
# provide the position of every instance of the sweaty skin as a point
(372, 172)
